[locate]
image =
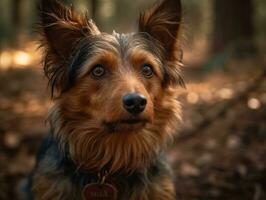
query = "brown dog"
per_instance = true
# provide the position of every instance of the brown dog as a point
(115, 108)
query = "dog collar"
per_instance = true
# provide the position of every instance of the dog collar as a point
(100, 190)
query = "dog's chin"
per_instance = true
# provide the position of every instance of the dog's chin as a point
(125, 125)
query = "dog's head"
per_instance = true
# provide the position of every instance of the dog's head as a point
(114, 99)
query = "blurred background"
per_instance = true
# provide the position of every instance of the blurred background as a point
(220, 152)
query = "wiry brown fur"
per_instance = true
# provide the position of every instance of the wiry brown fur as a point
(93, 147)
(88, 112)
(60, 25)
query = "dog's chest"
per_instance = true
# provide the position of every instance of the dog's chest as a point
(59, 173)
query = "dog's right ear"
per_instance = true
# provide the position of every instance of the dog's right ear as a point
(61, 29)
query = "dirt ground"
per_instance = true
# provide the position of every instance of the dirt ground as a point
(220, 152)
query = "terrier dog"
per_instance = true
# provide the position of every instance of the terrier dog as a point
(115, 107)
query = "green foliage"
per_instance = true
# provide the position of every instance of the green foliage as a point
(123, 14)
(260, 17)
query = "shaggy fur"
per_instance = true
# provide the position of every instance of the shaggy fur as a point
(90, 129)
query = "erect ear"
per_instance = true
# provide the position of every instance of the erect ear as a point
(63, 27)
(162, 22)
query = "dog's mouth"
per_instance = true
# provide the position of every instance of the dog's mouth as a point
(125, 124)
(131, 121)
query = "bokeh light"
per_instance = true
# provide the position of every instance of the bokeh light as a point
(254, 103)
(22, 58)
(192, 98)
(226, 93)
(5, 60)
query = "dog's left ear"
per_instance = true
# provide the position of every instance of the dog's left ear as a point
(162, 22)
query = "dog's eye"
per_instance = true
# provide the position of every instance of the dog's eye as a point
(98, 71)
(147, 71)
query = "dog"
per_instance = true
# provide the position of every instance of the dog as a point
(115, 107)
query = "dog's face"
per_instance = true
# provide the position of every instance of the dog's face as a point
(115, 104)
(118, 83)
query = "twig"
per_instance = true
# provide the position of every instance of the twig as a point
(220, 111)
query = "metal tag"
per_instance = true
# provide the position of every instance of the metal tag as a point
(97, 191)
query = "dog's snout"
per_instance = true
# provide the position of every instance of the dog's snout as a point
(134, 103)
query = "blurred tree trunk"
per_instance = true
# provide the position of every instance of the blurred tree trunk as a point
(2, 27)
(67, 1)
(94, 7)
(16, 20)
(233, 23)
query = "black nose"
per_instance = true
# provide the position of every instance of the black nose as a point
(134, 103)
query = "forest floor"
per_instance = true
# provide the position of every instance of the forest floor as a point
(219, 154)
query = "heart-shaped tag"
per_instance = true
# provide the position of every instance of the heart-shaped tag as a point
(97, 191)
